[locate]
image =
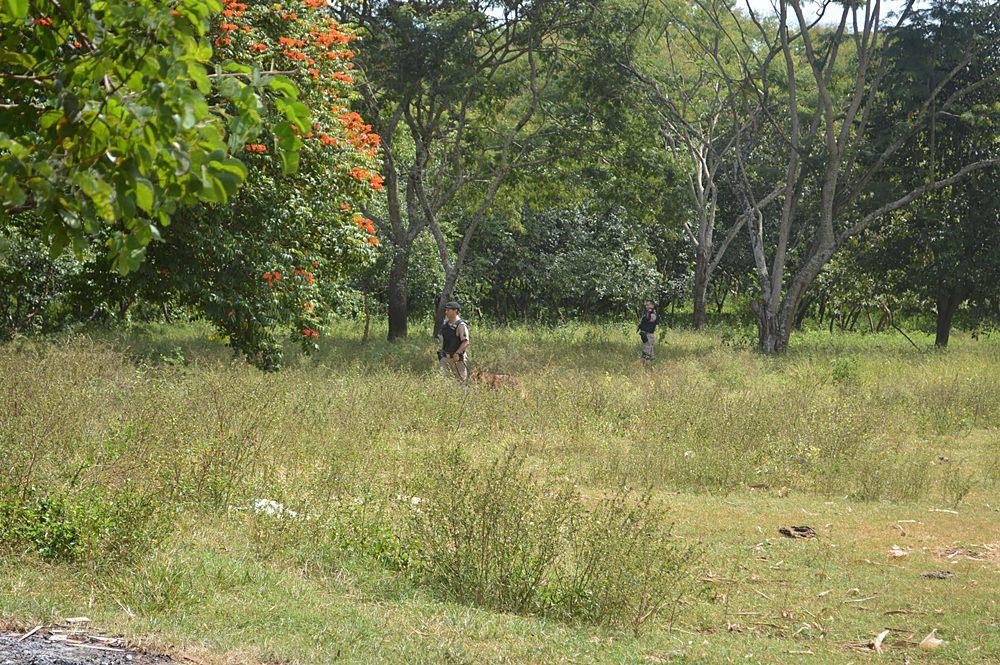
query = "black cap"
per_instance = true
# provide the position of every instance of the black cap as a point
(451, 304)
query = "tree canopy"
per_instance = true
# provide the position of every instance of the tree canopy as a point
(270, 166)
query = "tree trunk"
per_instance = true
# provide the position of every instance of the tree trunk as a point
(883, 321)
(773, 328)
(447, 293)
(801, 313)
(721, 302)
(398, 306)
(701, 277)
(947, 303)
(854, 316)
(368, 320)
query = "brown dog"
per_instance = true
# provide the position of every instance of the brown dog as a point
(494, 380)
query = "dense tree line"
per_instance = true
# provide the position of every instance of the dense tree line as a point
(270, 168)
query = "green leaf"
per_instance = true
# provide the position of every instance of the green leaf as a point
(16, 8)
(58, 241)
(71, 219)
(288, 145)
(231, 88)
(25, 60)
(11, 194)
(99, 192)
(49, 118)
(297, 113)
(200, 78)
(144, 194)
(285, 86)
(235, 67)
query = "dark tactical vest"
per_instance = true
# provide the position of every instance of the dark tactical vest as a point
(646, 325)
(449, 336)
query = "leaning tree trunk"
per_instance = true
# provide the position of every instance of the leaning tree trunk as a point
(447, 293)
(947, 303)
(701, 278)
(398, 306)
(801, 312)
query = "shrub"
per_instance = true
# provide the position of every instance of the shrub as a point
(956, 481)
(494, 535)
(93, 526)
(845, 370)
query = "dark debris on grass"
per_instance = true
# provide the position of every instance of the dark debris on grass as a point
(41, 648)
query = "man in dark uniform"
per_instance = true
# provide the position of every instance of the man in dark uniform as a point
(647, 329)
(454, 344)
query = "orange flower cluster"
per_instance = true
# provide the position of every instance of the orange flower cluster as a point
(365, 224)
(272, 277)
(304, 273)
(360, 135)
(373, 179)
(44, 21)
(331, 37)
(308, 332)
(312, 49)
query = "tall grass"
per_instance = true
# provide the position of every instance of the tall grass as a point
(135, 430)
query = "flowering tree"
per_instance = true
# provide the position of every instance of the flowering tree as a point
(111, 118)
(277, 256)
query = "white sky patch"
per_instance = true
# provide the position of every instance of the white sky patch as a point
(833, 13)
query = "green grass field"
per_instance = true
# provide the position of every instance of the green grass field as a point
(602, 511)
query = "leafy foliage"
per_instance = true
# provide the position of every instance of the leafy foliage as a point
(94, 525)
(37, 295)
(108, 122)
(583, 261)
(944, 249)
(279, 254)
(496, 535)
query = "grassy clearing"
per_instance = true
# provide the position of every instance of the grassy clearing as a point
(422, 538)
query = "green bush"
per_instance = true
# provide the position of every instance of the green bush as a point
(93, 526)
(495, 536)
(845, 370)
